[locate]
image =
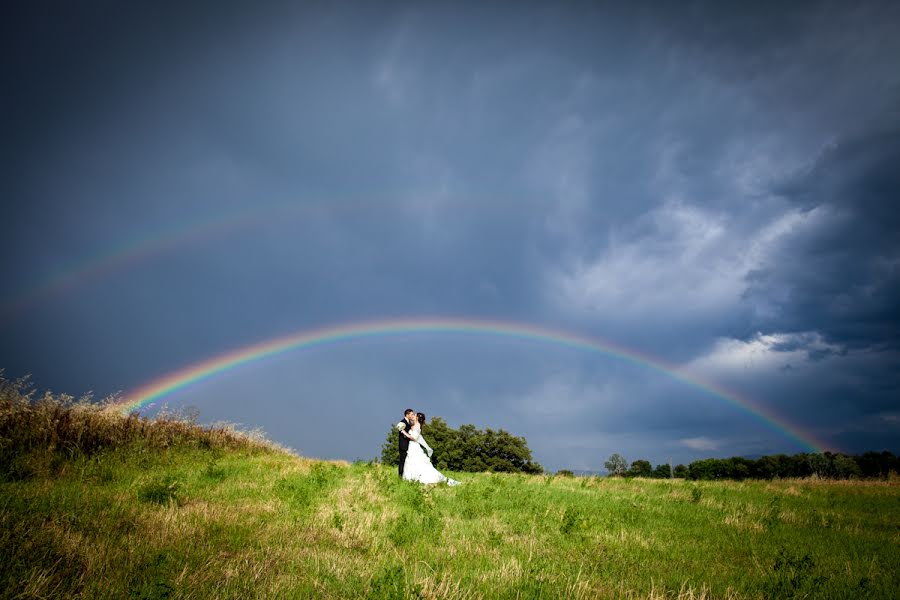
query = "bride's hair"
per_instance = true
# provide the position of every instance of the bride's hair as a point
(421, 417)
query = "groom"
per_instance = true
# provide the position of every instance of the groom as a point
(407, 423)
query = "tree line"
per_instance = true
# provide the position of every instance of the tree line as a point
(468, 449)
(870, 465)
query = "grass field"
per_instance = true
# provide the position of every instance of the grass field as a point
(94, 504)
(188, 522)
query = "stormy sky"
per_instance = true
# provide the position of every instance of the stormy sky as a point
(713, 184)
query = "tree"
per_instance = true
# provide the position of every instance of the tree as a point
(663, 471)
(681, 471)
(738, 467)
(705, 469)
(390, 449)
(616, 465)
(845, 467)
(878, 464)
(820, 464)
(504, 452)
(766, 467)
(640, 468)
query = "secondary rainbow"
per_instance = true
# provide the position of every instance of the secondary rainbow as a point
(307, 339)
(152, 244)
(116, 259)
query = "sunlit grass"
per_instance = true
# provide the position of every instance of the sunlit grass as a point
(184, 513)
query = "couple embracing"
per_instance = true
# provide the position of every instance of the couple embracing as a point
(415, 464)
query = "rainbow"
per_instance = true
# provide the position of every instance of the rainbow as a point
(118, 258)
(121, 257)
(114, 259)
(307, 339)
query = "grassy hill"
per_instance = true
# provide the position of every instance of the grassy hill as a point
(96, 505)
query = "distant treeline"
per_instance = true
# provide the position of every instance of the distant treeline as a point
(871, 465)
(468, 449)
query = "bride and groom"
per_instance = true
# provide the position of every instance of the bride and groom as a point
(415, 464)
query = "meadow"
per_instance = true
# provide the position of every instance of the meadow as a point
(172, 510)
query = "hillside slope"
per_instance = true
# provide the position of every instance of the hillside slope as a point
(95, 505)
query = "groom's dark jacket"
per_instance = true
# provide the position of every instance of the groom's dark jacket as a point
(404, 441)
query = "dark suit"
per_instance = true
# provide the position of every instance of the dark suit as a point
(404, 445)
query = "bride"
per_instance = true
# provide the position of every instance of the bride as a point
(418, 465)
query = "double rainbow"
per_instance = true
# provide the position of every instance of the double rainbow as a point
(309, 339)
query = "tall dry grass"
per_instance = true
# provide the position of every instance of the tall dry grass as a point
(39, 433)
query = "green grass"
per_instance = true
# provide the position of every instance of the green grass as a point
(96, 505)
(254, 523)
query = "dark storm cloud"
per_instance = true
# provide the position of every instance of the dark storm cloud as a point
(833, 286)
(841, 276)
(625, 172)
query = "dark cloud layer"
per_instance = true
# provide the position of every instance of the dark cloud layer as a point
(712, 184)
(842, 276)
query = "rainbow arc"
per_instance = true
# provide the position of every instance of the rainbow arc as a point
(336, 334)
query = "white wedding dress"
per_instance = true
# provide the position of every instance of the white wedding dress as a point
(418, 466)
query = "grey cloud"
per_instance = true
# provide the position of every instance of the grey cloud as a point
(417, 158)
(841, 277)
(809, 343)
